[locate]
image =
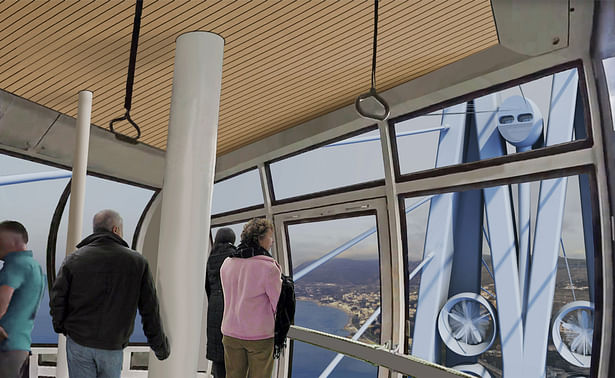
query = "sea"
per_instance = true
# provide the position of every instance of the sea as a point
(309, 361)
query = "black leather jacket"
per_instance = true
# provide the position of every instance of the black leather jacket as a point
(95, 296)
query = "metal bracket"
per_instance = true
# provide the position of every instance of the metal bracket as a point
(372, 116)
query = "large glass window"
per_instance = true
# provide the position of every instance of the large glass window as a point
(32, 204)
(609, 71)
(237, 192)
(503, 269)
(337, 285)
(129, 200)
(343, 163)
(542, 112)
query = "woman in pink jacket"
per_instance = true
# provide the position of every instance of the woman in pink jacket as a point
(251, 282)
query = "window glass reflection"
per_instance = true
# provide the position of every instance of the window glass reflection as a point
(32, 204)
(609, 71)
(543, 112)
(337, 285)
(467, 254)
(237, 192)
(128, 200)
(350, 161)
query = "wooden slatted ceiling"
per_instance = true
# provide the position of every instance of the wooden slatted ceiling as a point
(285, 62)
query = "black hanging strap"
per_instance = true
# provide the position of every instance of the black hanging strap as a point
(373, 94)
(375, 44)
(130, 78)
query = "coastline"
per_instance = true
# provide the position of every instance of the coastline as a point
(348, 327)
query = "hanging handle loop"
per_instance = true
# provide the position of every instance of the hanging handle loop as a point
(130, 79)
(125, 138)
(385, 111)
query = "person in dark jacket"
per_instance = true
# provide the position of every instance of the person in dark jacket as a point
(223, 248)
(95, 297)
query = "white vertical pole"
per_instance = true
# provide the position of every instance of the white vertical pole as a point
(397, 327)
(186, 202)
(524, 190)
(525, 206)
(77, 199)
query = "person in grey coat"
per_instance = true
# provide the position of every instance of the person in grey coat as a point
(223, 248)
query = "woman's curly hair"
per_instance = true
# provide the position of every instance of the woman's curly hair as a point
(254, 230)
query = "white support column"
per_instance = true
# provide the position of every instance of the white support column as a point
(548, 230)
(439, 241)
(186, 202)
(500, 223)
(77, 199)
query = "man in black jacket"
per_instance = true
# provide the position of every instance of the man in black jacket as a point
(95, 297)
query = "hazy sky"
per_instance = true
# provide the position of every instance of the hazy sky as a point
(33, 204)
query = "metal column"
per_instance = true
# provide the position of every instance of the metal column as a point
(435, 278)
(548, 230)
(499, 213)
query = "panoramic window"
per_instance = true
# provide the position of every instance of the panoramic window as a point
(609, 71)
(238, 192)
(343, 163)
(544, 112)
(482, 262)
(337, 285)
(33, 203)
(129, 200)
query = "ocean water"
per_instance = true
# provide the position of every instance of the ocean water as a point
(308, 360)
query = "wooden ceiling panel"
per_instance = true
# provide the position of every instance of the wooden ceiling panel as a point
(285, 62)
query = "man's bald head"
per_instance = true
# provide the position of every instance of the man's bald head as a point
(108, 221)
(13, 238)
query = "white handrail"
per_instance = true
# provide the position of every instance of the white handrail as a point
(50, 371)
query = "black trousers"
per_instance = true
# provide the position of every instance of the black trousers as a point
(218, 370)
(12, 363)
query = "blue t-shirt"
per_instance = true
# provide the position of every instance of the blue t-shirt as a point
(25, 275)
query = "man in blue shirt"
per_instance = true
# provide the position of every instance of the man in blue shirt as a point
(21, 287)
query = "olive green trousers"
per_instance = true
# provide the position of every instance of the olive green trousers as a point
(248, 358)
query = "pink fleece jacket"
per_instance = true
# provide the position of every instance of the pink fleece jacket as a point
(251, 289)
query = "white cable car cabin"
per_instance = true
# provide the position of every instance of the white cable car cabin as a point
(469, 234)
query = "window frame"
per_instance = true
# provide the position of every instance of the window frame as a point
(589, 170)
(586, 142)
(344, 210)
(243, 209)
(322, 193)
